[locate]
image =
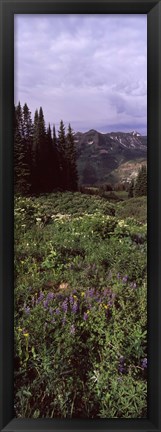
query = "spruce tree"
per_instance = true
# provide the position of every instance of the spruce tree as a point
(28, 137)
(55, 162)
(42, 154)
(21, 163)
(62, 155)
(35, 154)
(131, 189)
(141, 182)
(48, 162)
(72, 175)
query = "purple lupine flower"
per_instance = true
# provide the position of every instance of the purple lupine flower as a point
(85, 316)
(91, 292)
(121, 367)
(57, 311)
(75, 307)
(65, 305)
(125, 278)
(50, 296)
(144, 363)
(64, 320)
(27, 310)
(40, 298)
(72, 329)
(50, 310)
(71, 300)
(45, 304)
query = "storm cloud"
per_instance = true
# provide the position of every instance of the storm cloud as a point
(89, 70)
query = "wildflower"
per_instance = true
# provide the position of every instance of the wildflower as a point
(64, 320)
(75, 307)
(85, 316)
(122, 364)
(32, 300)
(91, 292)
(26, 335)
(50, 311)
(82, 294)
(125, 278)
(65, 305)
(19, 329)
(45, 303)
(144, 363)
(71, 300)
(50, 296)
(41, 296)
(57, 311)
(72, 329)
(27, 310)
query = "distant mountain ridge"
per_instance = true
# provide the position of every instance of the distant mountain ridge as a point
(100, 155)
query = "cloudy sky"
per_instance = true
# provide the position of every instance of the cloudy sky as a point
(89, 70)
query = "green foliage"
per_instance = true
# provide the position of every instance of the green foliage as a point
(80, 309)
(135, 207)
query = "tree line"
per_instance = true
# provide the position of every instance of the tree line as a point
(43, 162)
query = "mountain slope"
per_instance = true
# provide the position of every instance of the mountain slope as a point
(100, 155)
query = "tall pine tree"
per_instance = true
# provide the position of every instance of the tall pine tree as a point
(21, 162)
(62, 153)
(72, 175)
(141, 182)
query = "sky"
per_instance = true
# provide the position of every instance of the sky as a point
(88, 70)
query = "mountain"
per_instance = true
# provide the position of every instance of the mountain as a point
(100, 156)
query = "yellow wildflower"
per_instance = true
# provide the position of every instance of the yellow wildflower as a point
(26, 335)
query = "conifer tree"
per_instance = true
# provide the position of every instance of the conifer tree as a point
(35, 154)
(131, 189)
(48, 162)
(55, 160)
(72, 175)
(141, 182)
(21, 165)
(28, 136)
(62, 153)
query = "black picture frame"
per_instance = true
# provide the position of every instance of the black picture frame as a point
(7, 10)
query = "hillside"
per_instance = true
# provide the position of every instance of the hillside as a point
(102, 157)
